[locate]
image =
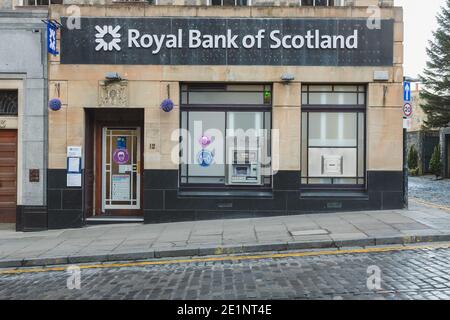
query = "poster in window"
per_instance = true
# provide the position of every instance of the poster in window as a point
(121, 142)
(121, 187)
(121, 156)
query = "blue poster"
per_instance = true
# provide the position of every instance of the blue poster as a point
(121, 143)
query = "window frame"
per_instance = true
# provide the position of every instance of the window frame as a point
(335, 108)
(198, 106)
(336, 3)
(11, 95)
(264, 108)
(236, 4)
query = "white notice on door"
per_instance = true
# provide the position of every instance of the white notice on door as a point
(120, 187)
(123, 168)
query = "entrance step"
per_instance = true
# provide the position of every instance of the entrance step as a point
(113, 220)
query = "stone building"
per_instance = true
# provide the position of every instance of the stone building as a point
(23, 117)
(183, 110)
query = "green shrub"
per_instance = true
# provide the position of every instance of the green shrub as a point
(413, 158)
(414, 172)
(435, 162)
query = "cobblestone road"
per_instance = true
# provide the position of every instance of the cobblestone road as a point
(427, 189)
(422, 273)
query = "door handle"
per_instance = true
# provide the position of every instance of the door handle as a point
(138, 167)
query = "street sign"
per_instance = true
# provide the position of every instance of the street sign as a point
(407, 110)
(406, 123)
(407, 91)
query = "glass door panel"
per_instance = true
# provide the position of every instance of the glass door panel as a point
(121, 166)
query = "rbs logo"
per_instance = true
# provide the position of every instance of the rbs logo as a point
(111, 34)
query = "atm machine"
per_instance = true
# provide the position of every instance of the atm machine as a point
(245, 167)
(244, 150)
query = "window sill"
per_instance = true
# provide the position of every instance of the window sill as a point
(225, 194)
(356, 195)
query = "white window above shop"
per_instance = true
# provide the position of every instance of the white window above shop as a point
(229, 2)
(265, 3)
(333, 95)
(318, 3)
(323, 3)
(40, 2)
(223, 94)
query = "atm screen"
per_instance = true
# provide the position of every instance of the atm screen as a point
(241, 171)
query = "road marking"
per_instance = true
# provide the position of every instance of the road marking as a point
(228, 258)
(430, 204)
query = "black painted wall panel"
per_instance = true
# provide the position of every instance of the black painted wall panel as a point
(384, 192)
(162, 202)
(65, 205)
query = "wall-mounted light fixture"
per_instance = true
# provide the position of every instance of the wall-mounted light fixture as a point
(287, 77)
(113, 76)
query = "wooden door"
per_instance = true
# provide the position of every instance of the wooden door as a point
(8, 176)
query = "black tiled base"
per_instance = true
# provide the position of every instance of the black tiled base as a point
(162, 202)
(63, 219)
(31, 218)
(65, 205)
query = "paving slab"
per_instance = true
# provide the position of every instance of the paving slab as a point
(309, 232)
(348, 236)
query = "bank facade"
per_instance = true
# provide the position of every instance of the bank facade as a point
(154, 97)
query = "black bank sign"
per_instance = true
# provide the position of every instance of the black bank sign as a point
(232, 41)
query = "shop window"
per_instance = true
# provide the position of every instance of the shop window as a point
(333, 135)
(228, 2)
(43, 2)
(225, 143)
(8, 102)
(322, 3)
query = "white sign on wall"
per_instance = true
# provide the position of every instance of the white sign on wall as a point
(74, 151)
(74, 179)
(406, 123)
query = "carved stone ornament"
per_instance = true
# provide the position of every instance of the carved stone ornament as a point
(113, 94)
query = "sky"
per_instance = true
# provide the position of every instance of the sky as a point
(419, 22)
